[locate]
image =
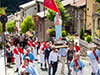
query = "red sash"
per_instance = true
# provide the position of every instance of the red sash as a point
(31, 61)
(12, 60)
(28, 44)
(76, 64)
(23, 66)
(15, 51)
(20, 50)
(36, 43)
(32, 43)
(20, 60)
(26, 54)
(95, 55)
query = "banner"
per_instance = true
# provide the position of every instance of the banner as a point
(51, 4)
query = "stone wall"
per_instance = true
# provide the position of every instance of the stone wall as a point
(84, 47)
(83, 50)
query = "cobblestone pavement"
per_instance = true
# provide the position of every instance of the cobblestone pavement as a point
(87, 69)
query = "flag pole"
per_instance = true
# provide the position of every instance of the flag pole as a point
(44, 26)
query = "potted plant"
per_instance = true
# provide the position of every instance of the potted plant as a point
(89, 39)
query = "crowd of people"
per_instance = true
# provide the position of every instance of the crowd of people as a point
(23, 50)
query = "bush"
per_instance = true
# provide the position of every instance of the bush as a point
(63, 33)
(51, 32)
(82, 34)
(88, 39)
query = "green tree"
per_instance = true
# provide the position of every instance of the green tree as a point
(27, 24)
(98, 1)
(82, 34)
(51, 14)
(1, 29)
(10, 26)
(2, 11)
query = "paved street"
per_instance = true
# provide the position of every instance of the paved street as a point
(87, 68)
(2, 66)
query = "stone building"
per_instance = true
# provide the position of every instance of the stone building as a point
(92, 6)
(43, 26)
(76, 10)
(29, 8)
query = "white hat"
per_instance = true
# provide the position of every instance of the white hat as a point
(28, 48)
(27, 58)
(77, 53)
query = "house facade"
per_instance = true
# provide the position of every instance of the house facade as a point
(76, 9)
(92, 6)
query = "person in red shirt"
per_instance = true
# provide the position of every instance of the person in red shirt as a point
(77, 48)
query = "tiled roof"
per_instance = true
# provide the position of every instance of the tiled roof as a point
(27, 5)
(67, 2)
(78, 3)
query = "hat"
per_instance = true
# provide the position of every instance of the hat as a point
(28, 48)
(27, 58)
(77, 53)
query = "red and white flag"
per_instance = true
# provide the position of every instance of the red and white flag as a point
(51, 4)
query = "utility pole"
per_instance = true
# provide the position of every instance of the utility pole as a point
(3, 20)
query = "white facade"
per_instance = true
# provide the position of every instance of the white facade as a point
(31, 11)
(29, 8)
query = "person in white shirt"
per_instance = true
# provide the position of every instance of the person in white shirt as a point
(53, 59)
(94, 59)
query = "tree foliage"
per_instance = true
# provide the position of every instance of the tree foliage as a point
(2, 11)
(1, 29)
(98, 1)
(82, 34)
(51, 14)
(10, 26)
(27, 24)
